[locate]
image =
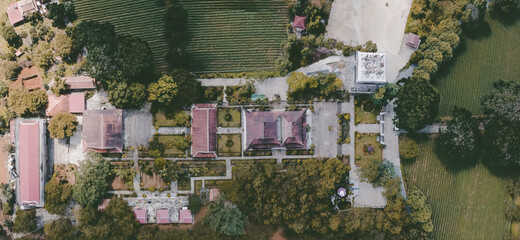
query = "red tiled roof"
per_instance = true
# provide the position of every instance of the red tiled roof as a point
(14, 13)
(214, 193)
(29, 79)
(27, 6)
(204, 130)
(57, 104)
(29, 161)
(163, 216)
(76, 103)
(299, 22)
(140, 215)
(103, 131)
(80, 82)
(266, 130)
(185, 216)
(412, 40)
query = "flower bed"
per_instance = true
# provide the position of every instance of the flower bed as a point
(344, 123)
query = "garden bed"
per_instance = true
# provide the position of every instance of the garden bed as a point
(247, 162)
(121, 175)
(299, 152)
(176, 119)
(365, 111)
(344, 124)
(66, 173)
(149, 178)
(171, 143)
(229, 145)
(367, 148)
(229, 117)
(258, 153)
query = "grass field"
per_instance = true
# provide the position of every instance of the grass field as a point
(235, 117)
(467, 200)
(480, 62)
(367, 139)
(231, 36)
(140, 18)
(234, 150)
(169, 147)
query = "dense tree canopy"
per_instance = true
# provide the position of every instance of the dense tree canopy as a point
(127, 95)
(503, 101)
(408, 148)
(378, 173)
(164, 91)
(62, 46)
(62, 125)
(61, 229)
(9, 34)
(25, 221)
(225, 218)
(417, 104)
(57, 196)
(303, 87)
(91, 182)
(9, 69)
(421, 211)
(385, 94)
(24, 103)
(460, 138)
(59, 12)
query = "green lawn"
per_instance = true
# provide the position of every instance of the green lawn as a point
(467, 200)
(362, 103)
(367, 139)
(481, 62)
(179, 119)
(233, 150)
(235, 117)
(168, 141)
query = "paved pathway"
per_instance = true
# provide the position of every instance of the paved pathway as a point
(193, 179)
(368, 128)
(228, 130)
(214, 82)
(172, 130)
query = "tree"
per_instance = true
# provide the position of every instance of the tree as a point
(164, 91)
(428, 66)
(189, 89)
(61, 229)
(62, 125)
(417, 104)
(225, 218)
(461, 136)
(408, 148)
(91, 181)
(59, 87)
(57, 196)
(4, 89)
(503, 101)
(43, 56)
(10, 69)
(377, 173)
(502, 141)
(124, 224)
(11, 37)
(503, 8)
(22, 102)
(133, 56)
(385, 94)
(25, 221)
(59, 12)
(127, 95)
(62, 46)
(421, 211)
(195, 204)
(369, 47)
(321, 86)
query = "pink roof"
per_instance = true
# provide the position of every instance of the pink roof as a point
(214, 193)
(80, 82)
(57, 104)
(76, 103)
(185, 216)
(412, 40)
(29, 160)
(103, 131)
(204, 130)
(14, 14)
(299, 22)
(140, 215)
(163, 216)
(275, 129)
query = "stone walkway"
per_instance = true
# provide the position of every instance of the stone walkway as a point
(172, 130)
(367, 128)
(228, 130)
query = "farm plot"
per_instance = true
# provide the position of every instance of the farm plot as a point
(232, 36)
(479, 62)
(140, 18)
(467, 200)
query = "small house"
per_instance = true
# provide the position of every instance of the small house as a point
(185, 216)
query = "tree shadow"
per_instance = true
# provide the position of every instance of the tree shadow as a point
(498, 167)
(507, 19)
(482, 31)
(452, 163)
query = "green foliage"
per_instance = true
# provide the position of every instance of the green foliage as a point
(133, 55)
(195, 204)
(61, 229)
(408, 148)
(189, 89)
(369, 47)
(421, 210)
(91, 181)
(57, 196)
(503, 8)
(385, 94)
(303, 87)
(62, 125)
(377, 173)
(41, 32)
(62, 46)
(127, 95)
(461, 137)
(25, 221)
(4, 89)
(417, 104)
(182, 143)
(11, 37)
(164, 91)
(59, 87)
(167, 169)
(43, 56)
(9, 69)
(225, 218)
(123, 224)
(23, 103)
(58, 12)
(240, 94)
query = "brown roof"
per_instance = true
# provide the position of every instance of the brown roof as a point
(275, 129)
(103, 130)
(412, 40)
(57, 104)
(28, 6)
(29, 79)
(204, 130)
(299, 22)
(76, 102)
(14, 13)
(80, 82)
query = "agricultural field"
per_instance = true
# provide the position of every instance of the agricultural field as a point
(480, 61)
(467, 200)
(140, 18)
(235, 36)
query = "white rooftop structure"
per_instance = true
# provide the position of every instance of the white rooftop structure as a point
(371, 67)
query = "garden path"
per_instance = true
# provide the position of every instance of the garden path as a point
(172, 130)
